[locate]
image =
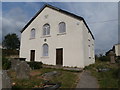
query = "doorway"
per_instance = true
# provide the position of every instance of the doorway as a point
(32, 55)
(59, 56)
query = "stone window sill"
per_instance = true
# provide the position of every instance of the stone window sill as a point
(45, 57)
(44, 36)
(31, 38)
(61, 33)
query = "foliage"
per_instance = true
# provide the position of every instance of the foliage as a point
(35, 65)
(11, 41)
(8, 52)
(6, 64)
(104, 58)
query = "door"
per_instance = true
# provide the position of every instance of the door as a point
(59, 56)
(32, 56)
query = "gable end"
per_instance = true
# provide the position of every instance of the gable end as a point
(61, 11)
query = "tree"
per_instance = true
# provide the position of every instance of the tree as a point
(11, 41)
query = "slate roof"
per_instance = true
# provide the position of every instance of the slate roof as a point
(61, 11)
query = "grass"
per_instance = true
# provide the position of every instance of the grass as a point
(108, 79)
(67, 79)
(0, 58)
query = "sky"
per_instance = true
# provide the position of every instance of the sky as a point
(101, 17)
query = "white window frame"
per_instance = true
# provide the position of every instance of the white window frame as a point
(46, 29)
(62, 28)
(45, 50)
(32, 33)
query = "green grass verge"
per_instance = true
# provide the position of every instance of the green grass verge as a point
(66, 78)
(0, 59)
(108, 79)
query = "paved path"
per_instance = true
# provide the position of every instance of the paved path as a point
(87, 81)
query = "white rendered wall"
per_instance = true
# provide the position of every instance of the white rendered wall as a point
(89, 57)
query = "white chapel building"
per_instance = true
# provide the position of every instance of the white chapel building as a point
(57, 37)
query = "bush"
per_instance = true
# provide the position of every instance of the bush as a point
(35, 65)
(6, 64)
(104, 58)
(8, 52)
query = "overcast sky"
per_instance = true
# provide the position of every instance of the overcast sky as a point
(102, 19)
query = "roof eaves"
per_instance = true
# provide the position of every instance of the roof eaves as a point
(88, 29)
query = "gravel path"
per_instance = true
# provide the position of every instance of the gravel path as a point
(87, 81)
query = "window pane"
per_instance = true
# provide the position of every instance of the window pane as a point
(62, 27)
(89, 51)
(45, 50)
(46, 29)
(33, 33)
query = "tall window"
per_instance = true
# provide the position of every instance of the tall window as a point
(32, 33)
(62, 27)
(89, 51)
(46, 29)
(45, 50)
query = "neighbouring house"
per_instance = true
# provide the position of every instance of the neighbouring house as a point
(115, 49)
(57, 37)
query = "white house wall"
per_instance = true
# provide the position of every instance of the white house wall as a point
(88, 40)
(117, 49)
(72, 41)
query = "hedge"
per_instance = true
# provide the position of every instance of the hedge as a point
(35, 65)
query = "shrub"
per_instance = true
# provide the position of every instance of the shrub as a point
(35, 65)
(8, 52)
(6, 64)
(104, 58)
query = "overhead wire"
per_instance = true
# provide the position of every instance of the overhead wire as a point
(103, 21)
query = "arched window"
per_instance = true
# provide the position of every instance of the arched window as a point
(45, 50)
(32, 33)
(62, 27)
(46, 29)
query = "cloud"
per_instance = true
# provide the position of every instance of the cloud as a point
(15, 17)
(13, 21)
(106, 33)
